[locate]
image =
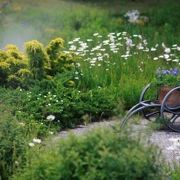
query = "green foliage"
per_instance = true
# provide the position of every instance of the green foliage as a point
(37, 59)
(101, 154)
(59, 61)
(17, 131)
(4, 67)
(12, 145)
(168, 77)
(175, 173)
(60, 98)
(17, 70)
(13, 142)
(12, 61)
(54, 48)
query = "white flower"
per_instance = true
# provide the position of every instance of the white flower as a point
(139, 46)
(70, 42)
(161, 56)
(35, 140)
(163, 45)
(16, 162)
(129, 42)
(31, 144)
(95, 34)
(50, 132)
(146, 50)
(176, 60)
(89, 40)
(100, 58)
(72, 48)
(133, 15)
(166, 56)
(153, 49)
(167, 50)
(135, 35)
(155, 58)
(21, 123)
(76, 40)
(50, 118)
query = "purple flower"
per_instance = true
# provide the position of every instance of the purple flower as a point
(175, 71)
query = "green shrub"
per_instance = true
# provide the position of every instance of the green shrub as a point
(54, 47)
(12, 61)
(17, 129)
(4, 68)
(59, 61)
(37, 59)
(102, 154)
(59, 97)
(13, 144)
(175, 173)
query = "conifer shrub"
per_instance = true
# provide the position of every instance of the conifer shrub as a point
(59, 61)
(11, 63)
(54, 47)
(37, 59)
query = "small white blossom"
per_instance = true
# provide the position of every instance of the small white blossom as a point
(35, 140)
(167, 50)
(155, 58)
(153, 49)
(166, 56)
(31, 144)
(50, 118)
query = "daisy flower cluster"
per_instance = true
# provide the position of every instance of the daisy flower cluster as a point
(99, 49)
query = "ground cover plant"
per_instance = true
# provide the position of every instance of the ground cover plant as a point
(16, 135)
(84, 66)
(97, 155)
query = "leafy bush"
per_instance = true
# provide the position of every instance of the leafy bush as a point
(13, 144)
(175, 174)
(59, 61)
(102, 154)
(68, 104)
(169, 77)
(37, 59)
(17, 129)
(13, 67)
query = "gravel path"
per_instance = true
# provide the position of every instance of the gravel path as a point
(168, 142)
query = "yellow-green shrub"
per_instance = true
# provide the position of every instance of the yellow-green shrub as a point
(59, 61)
(54, 48)
(16, 67)
(4, 67)
(37, 58)
(11, 61)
